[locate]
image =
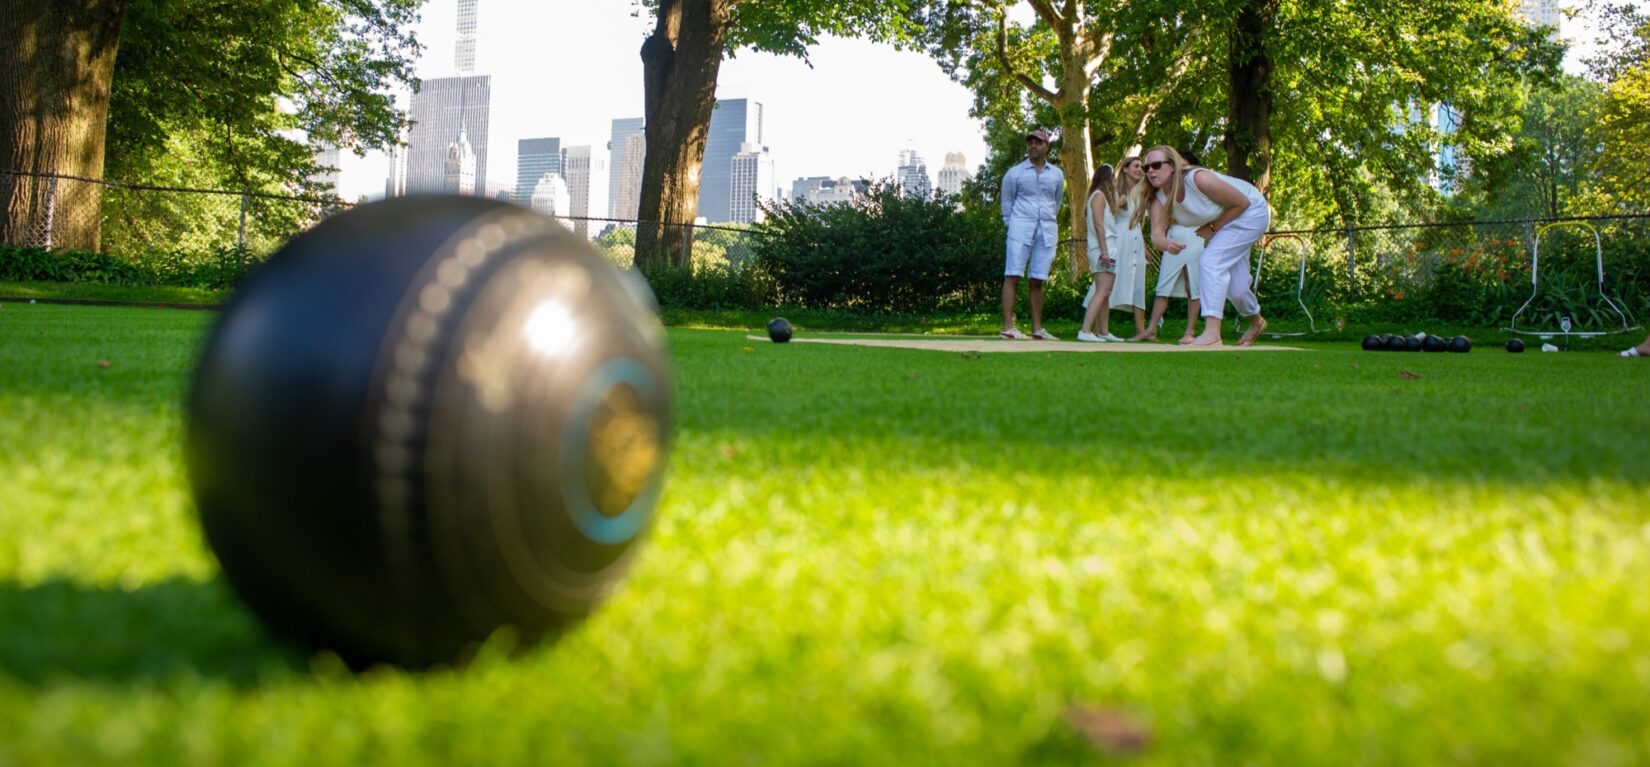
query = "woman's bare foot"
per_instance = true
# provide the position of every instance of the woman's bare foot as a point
(1186, 340)
(1256, 326)
(1205, 340)
(1143, 337)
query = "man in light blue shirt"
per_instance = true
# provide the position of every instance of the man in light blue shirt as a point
(1031, 202)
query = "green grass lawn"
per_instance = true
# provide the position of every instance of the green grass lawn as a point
(898, 557)
(91, 291)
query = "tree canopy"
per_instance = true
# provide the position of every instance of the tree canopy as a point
(192, 92)
(248, 86)
(1349, 86)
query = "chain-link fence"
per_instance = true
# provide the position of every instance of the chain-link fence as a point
(1593, 270)
(699, 246)
(54, 210)
(57, 211)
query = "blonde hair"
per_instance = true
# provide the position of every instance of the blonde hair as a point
(1128, 195)
(1124, 193)
(1172, 192)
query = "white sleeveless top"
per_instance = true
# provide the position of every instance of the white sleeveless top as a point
(1107, 230)
(1197, 209)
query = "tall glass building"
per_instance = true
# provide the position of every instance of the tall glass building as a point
(441, 109)
(534, 158)
(626, 149)
(586, 174)
(734, 123)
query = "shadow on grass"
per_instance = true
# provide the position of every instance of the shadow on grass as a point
(159, 631)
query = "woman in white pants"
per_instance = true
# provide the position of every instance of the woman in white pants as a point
(1230, 215)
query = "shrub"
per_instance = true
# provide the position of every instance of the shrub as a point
(885, 252)
(710, 286)
(215, 270)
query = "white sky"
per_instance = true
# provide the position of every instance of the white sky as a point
(567, 68)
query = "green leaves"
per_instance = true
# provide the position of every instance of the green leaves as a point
(236, 81)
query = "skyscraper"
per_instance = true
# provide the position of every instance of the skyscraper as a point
(953, 174)
(396, 184)
(326, 158)
(464, 51)
(1541, 12)
(458, 172)
(750, 175)
(733, 124)
(586, 175)
(550, 195)
(803, 189)
(441, 109)
(821, 190)
(534, 158)
(626, 148)
(913, 175)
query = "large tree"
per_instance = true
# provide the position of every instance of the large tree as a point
(200, 92)
(57, 60)
(680, 63)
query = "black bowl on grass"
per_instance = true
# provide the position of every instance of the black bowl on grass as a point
(779, 330)
(427, 420)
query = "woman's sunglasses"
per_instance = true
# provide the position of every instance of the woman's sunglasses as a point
(1158, 164)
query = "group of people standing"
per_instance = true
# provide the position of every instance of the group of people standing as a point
(1202, 222)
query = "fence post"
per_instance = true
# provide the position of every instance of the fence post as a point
(1529, 236)
(51, 211)
(240, 239)
(1352, 257)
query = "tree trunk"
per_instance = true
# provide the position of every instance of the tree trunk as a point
(1075, 148)
(680, 61)
(1249, 97)
(57, 60)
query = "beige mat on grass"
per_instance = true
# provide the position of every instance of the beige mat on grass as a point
(1005, 345)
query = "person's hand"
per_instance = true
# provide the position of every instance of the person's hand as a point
(1107, 261)
(1206, 231)
(1173, 246)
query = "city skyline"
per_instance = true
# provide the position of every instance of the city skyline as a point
(574, 91)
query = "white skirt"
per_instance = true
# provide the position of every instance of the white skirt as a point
(1169, 274)
(1129, 291)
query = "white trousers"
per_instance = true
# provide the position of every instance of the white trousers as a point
(1223, 269)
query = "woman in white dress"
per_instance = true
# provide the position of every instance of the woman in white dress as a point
(1177, 278)
(1230, 214)
(1102, 243)
(1129, 288)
